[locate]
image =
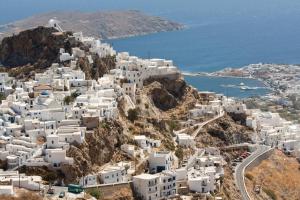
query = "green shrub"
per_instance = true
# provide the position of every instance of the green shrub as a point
(2, 97)
(50, 177)
(95, 192)
(173, 125)
(133, 114)
(68, 100)
(179, 153)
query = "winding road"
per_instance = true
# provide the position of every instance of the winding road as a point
(240, 170)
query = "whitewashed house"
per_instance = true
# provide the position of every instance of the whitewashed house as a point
(57, 157)
(160, 161)
(113, 174)
(147, 186)
(90, 179)
(185, 140)
(167, 184)
(7, 190)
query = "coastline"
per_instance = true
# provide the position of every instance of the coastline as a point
(215, 75)
(241, 87)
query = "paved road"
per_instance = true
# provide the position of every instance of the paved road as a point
(239, 172)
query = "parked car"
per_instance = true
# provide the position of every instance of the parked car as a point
(61, 194)
(50, 191)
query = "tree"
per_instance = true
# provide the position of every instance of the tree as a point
(74, 95)
(173, 125)
(133, 114)
(179, 153)
(68, 100)
(66, 88)
(2, 97)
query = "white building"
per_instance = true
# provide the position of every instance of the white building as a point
(185, 140)
(146, 143)
(147, 186)
(155, 186)
(203, 180)
(33, 183)
(57, 157)
(6, 190)
(90, 179)
(160, 161)
(113, 174)
(167, 184)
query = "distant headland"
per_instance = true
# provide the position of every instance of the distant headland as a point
(102, 24)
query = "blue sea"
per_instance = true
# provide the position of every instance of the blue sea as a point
(218, 34)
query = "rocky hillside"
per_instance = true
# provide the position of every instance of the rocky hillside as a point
(99, 148)
(223, 132)
(278, 178)
(36, 49)
(103, 24)
(39, 47)
(100, 66)
(170, 97)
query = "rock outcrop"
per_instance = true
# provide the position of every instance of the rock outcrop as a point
(166, 93)
(224, 131)
(38, 47)
(100, 66)
(35, 50)
(98, 149)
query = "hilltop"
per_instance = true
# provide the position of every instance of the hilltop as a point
(159, 107)
(102, 24)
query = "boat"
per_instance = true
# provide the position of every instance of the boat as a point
(242, 84)
(247, 88)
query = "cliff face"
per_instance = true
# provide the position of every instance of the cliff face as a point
(224, 131)
(100, 66)
(38, 47)
(99, 148)
(34, 50)
(166, 93)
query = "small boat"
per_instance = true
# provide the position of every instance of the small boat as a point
(247, 88)
(242, 84)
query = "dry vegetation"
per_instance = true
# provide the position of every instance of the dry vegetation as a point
(278, 176)
(21, 196)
